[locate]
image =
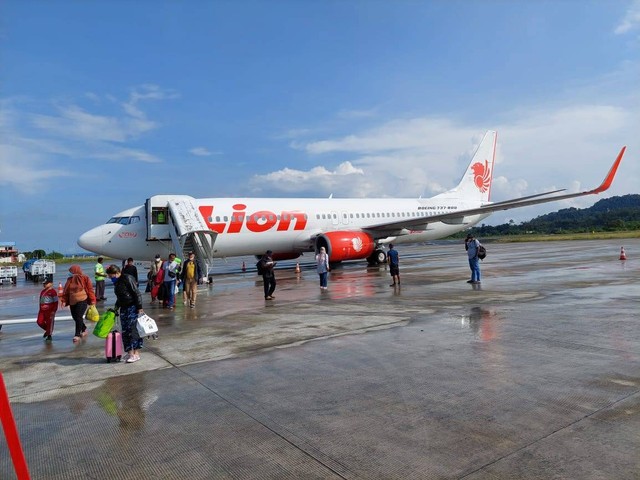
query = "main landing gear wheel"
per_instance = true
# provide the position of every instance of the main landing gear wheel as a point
(377, 258)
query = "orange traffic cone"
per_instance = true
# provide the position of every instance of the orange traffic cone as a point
(623, 256)
(297, 267)
(244, 267)
(60, 292)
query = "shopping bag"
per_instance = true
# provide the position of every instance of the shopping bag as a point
(92, 314)
(146, 325)
(105, 324)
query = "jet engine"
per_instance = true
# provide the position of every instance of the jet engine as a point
(348, 245)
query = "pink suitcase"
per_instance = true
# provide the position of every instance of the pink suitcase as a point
(113, 346)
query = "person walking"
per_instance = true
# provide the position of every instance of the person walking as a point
(155, 278)
(322, 266)
(393, 259)
(79, 295)
(99, 276)
(129, 301)
(170, 268)
(268, 275)
(48, 308)
(131, 269)
(190, 277)
(471, 245)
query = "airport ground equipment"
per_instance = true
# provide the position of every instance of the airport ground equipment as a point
(8, 275)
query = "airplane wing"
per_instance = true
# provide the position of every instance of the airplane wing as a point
(458, 217)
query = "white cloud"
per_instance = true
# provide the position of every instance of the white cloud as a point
(32, 141)
(202, 152)
(353, 114)
(119, 153)
(291, 180)
(25, 170)
(73, 122)
(631, 20)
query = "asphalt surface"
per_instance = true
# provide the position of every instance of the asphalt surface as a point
(533, 374)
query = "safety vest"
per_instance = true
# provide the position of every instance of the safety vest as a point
(99, 270)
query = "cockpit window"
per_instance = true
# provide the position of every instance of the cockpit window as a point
(124, 220)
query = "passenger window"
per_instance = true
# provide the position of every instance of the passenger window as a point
(226, 219)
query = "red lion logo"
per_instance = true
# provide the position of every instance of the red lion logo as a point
(481, 175)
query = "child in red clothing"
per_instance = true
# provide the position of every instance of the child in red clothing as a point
(48, 308)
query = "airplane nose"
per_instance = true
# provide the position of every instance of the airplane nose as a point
(92, 240)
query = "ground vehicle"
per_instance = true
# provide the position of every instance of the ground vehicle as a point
(37, 270)
(8, 275)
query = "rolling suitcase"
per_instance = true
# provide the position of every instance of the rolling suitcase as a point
(113, 346)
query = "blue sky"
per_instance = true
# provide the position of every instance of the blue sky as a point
(105, 103)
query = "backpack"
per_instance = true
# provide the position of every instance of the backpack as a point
(260, 267)
(482, 252)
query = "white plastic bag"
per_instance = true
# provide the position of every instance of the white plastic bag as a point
(146, 325)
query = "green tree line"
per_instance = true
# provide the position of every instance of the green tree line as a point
(607, 215)
(53, 255)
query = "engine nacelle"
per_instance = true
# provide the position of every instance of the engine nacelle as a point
(346, 245)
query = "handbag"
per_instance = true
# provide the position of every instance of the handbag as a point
(92, 314)
(105, 324)
(146, 325)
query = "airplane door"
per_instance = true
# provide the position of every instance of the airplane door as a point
(335, 219)
(345, 218)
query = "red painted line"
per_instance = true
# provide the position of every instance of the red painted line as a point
(11, 434)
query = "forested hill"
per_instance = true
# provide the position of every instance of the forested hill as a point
(606, 215)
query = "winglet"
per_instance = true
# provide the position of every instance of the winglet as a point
(612, 173)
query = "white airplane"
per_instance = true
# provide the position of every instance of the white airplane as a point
(349, 228)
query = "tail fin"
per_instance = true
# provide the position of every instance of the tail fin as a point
(475, 185)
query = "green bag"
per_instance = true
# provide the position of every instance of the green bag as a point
(105, 324)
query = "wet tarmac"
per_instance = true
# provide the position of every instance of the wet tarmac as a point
(533, 374)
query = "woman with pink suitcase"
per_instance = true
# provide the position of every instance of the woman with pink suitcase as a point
(129, 301)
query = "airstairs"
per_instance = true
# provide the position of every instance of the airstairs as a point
(176, 218)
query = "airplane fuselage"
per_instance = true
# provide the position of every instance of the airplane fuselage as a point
(348, 229)
(250, 226)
